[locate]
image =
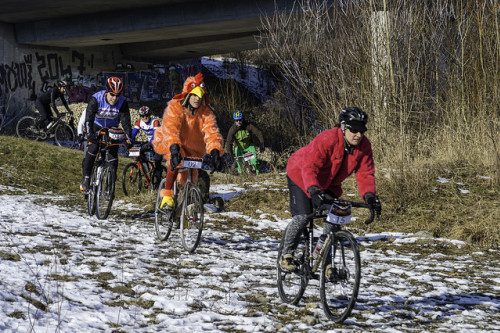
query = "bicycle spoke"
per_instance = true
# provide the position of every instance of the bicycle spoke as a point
(340, 277)
(163, 218)
(131, 179)
(105, 193)
(191, 218)
(26, 128)
(291, 285)
(64, 135)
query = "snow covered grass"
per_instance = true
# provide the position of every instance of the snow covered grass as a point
(62, 270)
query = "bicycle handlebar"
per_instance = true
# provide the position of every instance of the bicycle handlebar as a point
(322, 211)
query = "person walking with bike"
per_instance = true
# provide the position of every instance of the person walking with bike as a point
(188, 129)
(316, 171)
(47, 99)
(106, 109)
(241, 135)
(149, 125)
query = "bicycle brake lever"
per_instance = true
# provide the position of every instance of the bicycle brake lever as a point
(372, 216)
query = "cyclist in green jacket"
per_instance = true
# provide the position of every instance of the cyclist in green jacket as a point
(241, 134)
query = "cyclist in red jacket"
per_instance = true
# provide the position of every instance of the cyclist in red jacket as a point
(317, 170)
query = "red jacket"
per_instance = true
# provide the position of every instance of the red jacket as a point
(324, 163)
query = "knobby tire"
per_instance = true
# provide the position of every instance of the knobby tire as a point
(292, 285)
(64, 135)
(105, 192)
(25, 126)
(132, 179)
(192, 217)
(163, 218)
(339, 294)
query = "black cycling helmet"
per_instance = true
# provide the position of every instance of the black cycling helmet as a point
(62, 83)
(353, 117)
(114, 85)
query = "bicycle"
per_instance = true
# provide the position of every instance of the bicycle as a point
(133, 174)
(337, 264)
(62, 132)
(245, 160)
(101, 192)
(188, 210)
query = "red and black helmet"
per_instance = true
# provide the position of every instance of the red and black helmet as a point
(144, 111)
(114, 85)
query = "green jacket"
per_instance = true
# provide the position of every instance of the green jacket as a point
(242, 136)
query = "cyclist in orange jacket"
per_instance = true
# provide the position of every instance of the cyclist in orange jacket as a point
(188, 128)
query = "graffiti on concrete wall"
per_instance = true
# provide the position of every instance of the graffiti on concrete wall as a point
(17, 75)
(48, 67)
(35, 72)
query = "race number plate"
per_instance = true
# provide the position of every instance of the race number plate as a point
(192, 163)
(248, 156)
(335, 219)
(134, 152)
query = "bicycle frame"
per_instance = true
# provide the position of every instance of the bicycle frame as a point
(141, 161)
(320, 214)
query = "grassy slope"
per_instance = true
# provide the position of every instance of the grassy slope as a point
(443, 211)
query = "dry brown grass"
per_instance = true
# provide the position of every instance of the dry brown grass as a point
(428, 78)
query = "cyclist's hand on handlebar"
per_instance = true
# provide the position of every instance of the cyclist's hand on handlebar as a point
(216, 160)
(148, 146)
(373, 201)
(318, 197)
(175, 156)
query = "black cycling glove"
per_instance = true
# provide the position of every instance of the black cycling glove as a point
(317, 196)
(175, 156)
(215, 159)
(373, 201)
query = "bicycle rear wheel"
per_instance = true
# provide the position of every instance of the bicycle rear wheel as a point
(26, 128)
(340, 276)
(91, 194)
(105, 192)
(292, 285)
(64, 135)
(163, 218)
(191, 217)
(132, 179)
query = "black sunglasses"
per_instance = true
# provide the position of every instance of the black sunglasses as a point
(114, 95)
(355, 131)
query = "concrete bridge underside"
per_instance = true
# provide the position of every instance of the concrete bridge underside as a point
(145, 30)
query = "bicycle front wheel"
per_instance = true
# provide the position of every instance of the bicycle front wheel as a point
(64, 136)
(26, 128)
(105, 192)
(292, 285)
(340, 276)
(163, 218)
(191, 217)
(131, 179)
(92, 191)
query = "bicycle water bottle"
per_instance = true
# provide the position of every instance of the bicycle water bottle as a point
(319, 245)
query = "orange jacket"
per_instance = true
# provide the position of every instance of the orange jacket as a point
(196, 134)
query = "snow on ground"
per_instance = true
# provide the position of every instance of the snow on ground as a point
(61, 270)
